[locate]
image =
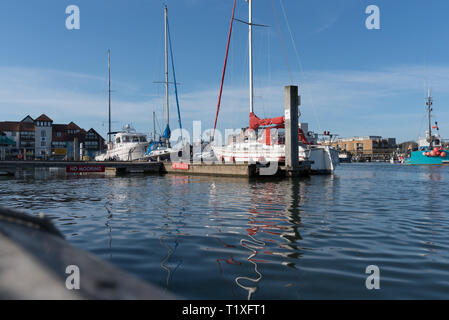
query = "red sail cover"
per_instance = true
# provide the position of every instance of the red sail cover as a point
(255, 122)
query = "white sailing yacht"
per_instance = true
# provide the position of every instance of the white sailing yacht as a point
(127, 144)
(269, 147)
(161, 150)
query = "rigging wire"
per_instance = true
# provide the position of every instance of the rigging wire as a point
(174, 78)
(282, 41)
(299, 61)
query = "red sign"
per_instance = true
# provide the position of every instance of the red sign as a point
(87, 168)
(180, 166)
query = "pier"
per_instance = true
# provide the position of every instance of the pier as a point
(108, 167)
(132, 167)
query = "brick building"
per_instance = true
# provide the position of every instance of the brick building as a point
(40, 138)
(367, 147)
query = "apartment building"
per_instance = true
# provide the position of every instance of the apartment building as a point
(367, 147)
(40, 138)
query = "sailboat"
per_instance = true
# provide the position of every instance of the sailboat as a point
(127, 144)
(270, 147)
(161, 150)
(430, 149)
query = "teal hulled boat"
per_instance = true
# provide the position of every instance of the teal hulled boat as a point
(421, 157)
(430, 149)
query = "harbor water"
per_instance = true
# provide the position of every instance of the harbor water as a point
(230, 238)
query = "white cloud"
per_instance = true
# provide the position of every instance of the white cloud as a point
(384, 102)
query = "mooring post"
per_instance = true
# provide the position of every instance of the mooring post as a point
(291, 129)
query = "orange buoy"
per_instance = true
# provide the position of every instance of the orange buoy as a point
(443, 154)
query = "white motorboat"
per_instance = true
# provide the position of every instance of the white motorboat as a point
(127, 145)
(325, 159)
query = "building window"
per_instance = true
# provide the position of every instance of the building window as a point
(58, 134)
(43, 133)
(43, 144)
(13, 134)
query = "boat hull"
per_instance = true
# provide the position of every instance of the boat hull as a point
(125, 152)
(325, 159)
(417, 158)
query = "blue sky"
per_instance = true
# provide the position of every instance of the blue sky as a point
(353, 81)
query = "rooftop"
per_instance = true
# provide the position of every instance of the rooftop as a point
(43, 117)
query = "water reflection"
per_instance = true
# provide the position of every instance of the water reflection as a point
(173, 217)
(221, 238)
(273, 229)
(252, 245)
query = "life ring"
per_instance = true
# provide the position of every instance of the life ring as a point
(19, 156)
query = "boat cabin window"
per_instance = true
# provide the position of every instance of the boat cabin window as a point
(143, 139)
(117, 140)
(135, 139)
(126, 139)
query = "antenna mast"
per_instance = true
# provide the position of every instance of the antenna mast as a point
(154, 126)
(166, 66)
(251, 89)
(109, 92)
(429, 104)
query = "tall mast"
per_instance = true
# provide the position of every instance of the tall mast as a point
(166, 65)
(109, 92)
(251, 89)
(429, 104)
(154, 126)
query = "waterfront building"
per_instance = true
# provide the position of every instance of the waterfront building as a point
(40, 138)
(22, 133)
(66, 141)
(43, 137)
(366, 148)
(73, 143)
(93, 144)
(5, 144)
